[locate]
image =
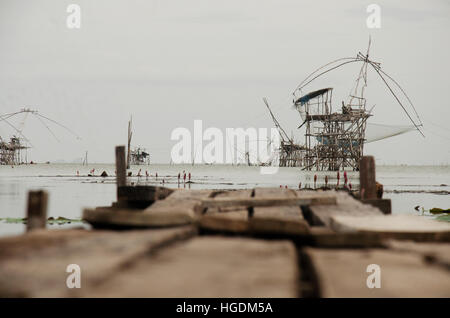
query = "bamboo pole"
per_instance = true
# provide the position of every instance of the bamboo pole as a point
(121, 178)
(367, 181)
(37, 210)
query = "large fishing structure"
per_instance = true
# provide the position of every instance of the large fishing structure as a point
(137, 155)
(335, 138)
(11, 152)
(14, 150)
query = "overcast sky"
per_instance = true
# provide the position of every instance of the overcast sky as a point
(170, 62)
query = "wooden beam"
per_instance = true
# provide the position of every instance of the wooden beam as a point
(37, 210)
(383, 204)
(367, 181)
(209, 266)
(274, 201)
(232, 218)
(121, 178)
(432, 252)
(34, 265)
(402, 227)
(343, 273)
(346, 205)
(180, 207)
(140, 196)
(278, 220)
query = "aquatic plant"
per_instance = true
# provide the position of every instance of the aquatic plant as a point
(444, 217)
(51, 220)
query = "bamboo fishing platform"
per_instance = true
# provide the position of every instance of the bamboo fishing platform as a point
(262, 242)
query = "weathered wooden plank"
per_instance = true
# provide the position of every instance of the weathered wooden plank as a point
(436, 253)
(228, 218)
(345, 205)
(342, 273)
(179, 208)
(384, 205)
(270, 201)
(34, 265)
(11, 246)
(129, 218)
(367, 179)
(275, 220)
(142, 196)
(37, 210)
(180, 205)
(121, 178)
(411, 227)
(322, 236)
(209, 267)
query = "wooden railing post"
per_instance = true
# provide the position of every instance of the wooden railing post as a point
(37, 210)
(121, 176)
(367, 181)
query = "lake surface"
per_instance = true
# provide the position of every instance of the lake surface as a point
(407, 186)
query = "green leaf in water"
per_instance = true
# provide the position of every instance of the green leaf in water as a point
(444, 217)
(51, 220)
(14, 220)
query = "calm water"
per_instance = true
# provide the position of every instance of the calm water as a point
(69, 193)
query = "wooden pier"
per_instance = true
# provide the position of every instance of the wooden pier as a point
(263, 242)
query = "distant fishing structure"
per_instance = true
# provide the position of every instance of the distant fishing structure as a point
(14, 151)
(334, 140)
(291, 154)
(85, 160)
(137, 155)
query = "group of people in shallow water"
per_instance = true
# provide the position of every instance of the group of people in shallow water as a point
(347, 183)
(183, 175)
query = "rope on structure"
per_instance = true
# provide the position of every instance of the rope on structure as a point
(281, 131)
(18, 131)
(48, 128)
(398, 100)
(335, 67)
(40, 117)
(434, 133)
(404, 93)
(55, 122)
(362, 75)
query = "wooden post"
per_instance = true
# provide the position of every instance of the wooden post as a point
(121, 177)
(367, 181)
(130, 133)
(37, 210)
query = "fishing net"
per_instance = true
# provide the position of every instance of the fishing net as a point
(375, 132)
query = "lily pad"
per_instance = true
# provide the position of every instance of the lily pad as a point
(14, 220)
(444, 217)
(51, 220)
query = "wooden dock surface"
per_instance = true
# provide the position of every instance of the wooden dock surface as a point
(210, 267)
(265, 242)
(342, 273)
